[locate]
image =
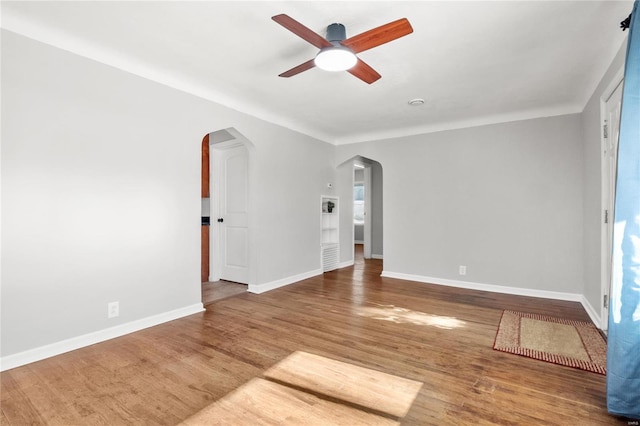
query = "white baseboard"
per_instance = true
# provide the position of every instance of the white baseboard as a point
(376, 256)
(595, 317)
(57, 348)
(358, 242)
(261, 288)
(572, 297)
(346, 264)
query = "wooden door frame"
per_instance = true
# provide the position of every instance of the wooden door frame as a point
(205, 193)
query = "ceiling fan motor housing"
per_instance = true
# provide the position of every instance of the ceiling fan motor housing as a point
(336, 33)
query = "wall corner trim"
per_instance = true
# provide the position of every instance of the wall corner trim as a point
(57, 348)
(595, 317)
(272, 285)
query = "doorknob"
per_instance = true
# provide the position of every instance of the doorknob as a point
(220, 220)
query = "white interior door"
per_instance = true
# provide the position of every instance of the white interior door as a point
(230, 222)
(610, 159)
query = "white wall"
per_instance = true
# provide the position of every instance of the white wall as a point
(505, 200)
(101, 196)
(592, 184)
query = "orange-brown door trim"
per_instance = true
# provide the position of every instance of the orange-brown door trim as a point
(205, 193)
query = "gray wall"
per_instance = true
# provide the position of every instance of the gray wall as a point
(101, 195)
(101, 198)
(505, 200)
(344, 189)
(358, 233)
(289, 173)
(377, 210)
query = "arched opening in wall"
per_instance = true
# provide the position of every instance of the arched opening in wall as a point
(225, 247)
(367, 207)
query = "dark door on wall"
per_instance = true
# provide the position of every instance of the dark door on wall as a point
(205, 220)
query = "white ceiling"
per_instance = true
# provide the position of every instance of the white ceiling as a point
(474, 63)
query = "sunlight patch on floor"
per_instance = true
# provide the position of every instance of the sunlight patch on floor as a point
(357, 385)
(311, 389)
(398, 315)
(263, 402)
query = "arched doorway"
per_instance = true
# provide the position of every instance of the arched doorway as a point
(364, 179)
(225, 214)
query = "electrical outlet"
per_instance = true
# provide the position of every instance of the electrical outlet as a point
(113, 309)
(462, 270)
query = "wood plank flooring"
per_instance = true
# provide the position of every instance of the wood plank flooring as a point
(441, 337)
(212, 291)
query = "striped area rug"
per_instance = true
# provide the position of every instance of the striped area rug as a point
(576, 344)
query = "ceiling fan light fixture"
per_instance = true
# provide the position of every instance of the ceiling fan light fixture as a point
(335, 58)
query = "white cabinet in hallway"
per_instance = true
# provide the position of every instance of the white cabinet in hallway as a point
(330, 228)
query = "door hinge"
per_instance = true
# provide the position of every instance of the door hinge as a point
(605, 301)
(605, 130)
(606, 216)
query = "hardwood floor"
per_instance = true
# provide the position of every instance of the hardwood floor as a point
(218, 290)
(438, 336)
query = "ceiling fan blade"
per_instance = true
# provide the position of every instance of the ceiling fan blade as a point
(377, 36)
(301, 31)
(300, 68)
(364, 72)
